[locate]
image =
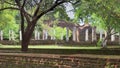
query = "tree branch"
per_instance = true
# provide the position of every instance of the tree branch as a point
(22, 11)
(27, 13)
(18, 3)
(22, 24)
(36, 2)
(76, 2)
(9, 8)
(116, 14)
(9, 3)
(27, 16)
(24, 2)
(51, 8)
(114, 33)
(37, 9)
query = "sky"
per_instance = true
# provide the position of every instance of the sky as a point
(71, 13)
(68, 10)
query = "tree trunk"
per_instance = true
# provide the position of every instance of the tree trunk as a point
(104, 43)
(27, 35)
(24, 45)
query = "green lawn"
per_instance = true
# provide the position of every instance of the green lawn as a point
(50, 47)
(60, 49)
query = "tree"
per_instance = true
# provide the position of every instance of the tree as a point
(56, 31)
(107, 11)
(31, 11)
(54, 16)
(7, 19)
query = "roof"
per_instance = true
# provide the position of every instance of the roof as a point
(64, 24)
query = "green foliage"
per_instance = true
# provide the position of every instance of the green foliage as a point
(0, 44)
(103, 14)
(109, 65)
(82, 11)
(60, 13)
(8, 22)
(56, 15)
(99, 43)
(97, 21)
(56, 31)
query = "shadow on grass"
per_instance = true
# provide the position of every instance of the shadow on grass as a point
(105, 51)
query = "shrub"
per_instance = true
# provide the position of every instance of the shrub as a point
(99, 43)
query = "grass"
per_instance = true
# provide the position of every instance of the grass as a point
(50, 47)
(60, 49)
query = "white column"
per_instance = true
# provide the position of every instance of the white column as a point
(100, 35)
(54, 33)
(74, 34)
(119, 38)
(51, 37)
(51, 31)
(10, 35)
(38, 35)
(1, 35)
(105, 34)
(67, 34)
(93, 34)
(20, 35)
(43, 35)
(112, 37)
(35, 34)
(86, 35)
(62, 36)
(46, 35)
(77, 35)
(13, 35)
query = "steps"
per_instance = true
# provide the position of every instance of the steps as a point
(62, 61)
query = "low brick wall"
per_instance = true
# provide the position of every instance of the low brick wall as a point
(50, 42)
(56, 61)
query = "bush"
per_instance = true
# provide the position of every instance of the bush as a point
(99, 43)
